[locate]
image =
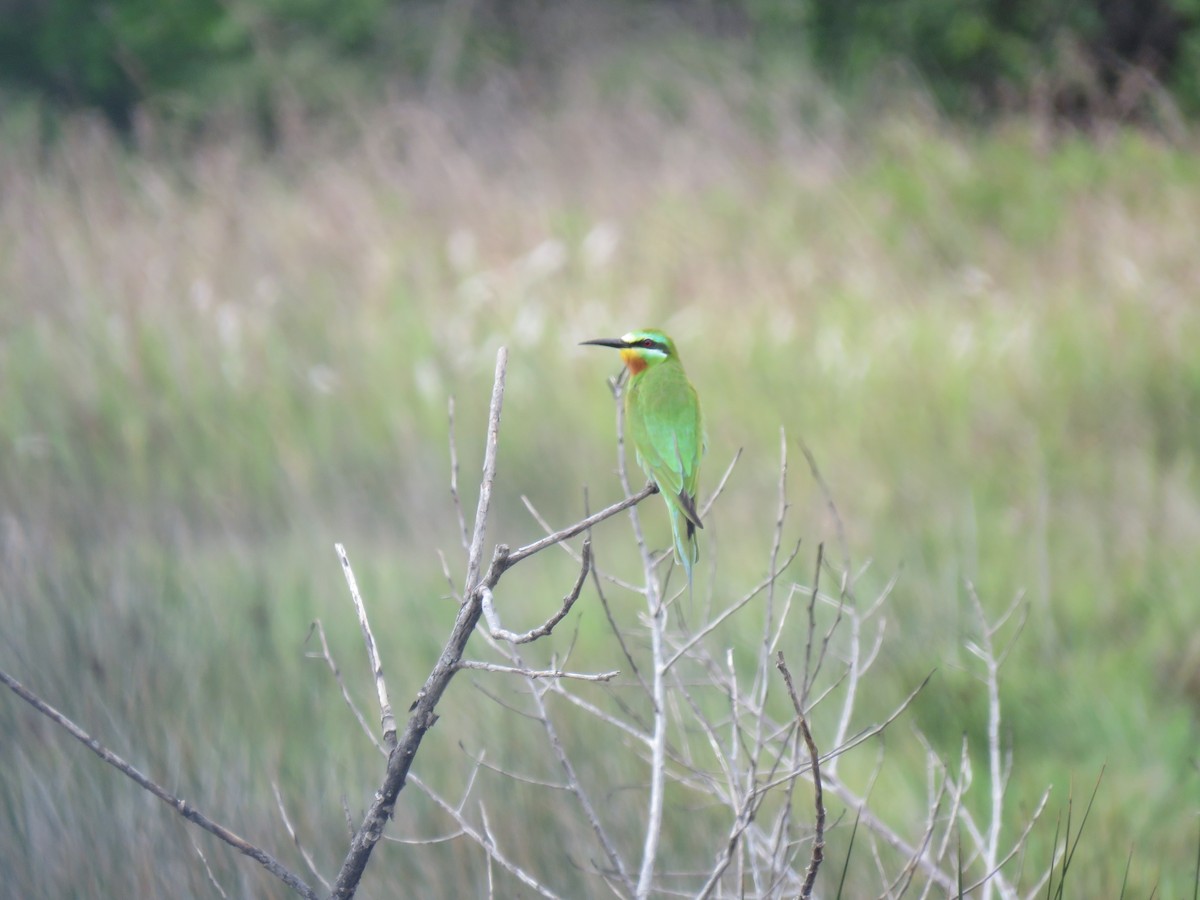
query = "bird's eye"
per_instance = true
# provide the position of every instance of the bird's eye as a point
(648, 343)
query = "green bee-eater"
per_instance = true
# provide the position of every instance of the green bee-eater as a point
(663, 416)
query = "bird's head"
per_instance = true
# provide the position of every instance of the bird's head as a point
(641, 349)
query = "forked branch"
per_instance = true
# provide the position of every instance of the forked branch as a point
(422, 713)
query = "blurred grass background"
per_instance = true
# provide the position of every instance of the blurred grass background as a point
(217, 359)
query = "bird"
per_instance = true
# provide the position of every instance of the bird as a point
(664, 419)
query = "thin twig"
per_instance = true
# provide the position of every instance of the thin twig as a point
(333, 667)
(549, 529)
(422, 713)
(475, 554)
(761, 686)
(575, 785)
(986, 653)
(499, 633)
(427, 842)
(449, 578)
(877, 826)
(843, 545)
(386, 719)
(287, 824)
(764, 656)
(458, 510)
(212, 879)
(1019, 844)
(480, 666)
(818, 848)
(720, 488)
(483, 840)
(733, 608)
(181, 806)
(658, 615)
(642, 737)
(658, 744)
(743, 816)
(514, 776)
(546, 526)
(809, 675)
(612, 624)
(581, 526)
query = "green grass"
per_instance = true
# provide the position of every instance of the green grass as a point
(215, 364)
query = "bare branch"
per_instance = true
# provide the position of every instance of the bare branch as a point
(987, 655)
(181, 806)
(843, 544)
(658, 743)
(612, 624)
(575, 785)
(536, 673)
(499, 633)
(720, 488)
(744, 815)
(1018, 845)
(546, 526)
(328, 657)
(449, 578)
(624, 727)
(421, 713)
(480, 762)
(818, 848)
(475, 554)
(483, 840)
(738, 604)
(549, 529)
(304, 854)
(458, 510)
(581, 526)
(889, 836)
(878, 728)
(810, 675)
(776, 543)
(387, 720)
(212, 879)
(429, 841)
(762, 678)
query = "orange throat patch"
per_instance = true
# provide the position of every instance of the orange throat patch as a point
(634, 361)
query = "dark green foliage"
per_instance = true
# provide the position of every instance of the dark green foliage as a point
(109, 56)
(184, 54)
(978, 55)
(975, 56)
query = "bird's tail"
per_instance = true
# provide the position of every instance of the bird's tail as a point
(687, 550)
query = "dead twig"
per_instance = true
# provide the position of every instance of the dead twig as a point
(333, 667)
(499, 633)
(180, 806)
(212, 879)
(422, 715)
(484, 840)
(480, 666)
(386, 719)
(287, 824)
(458, 510)
(818, 847)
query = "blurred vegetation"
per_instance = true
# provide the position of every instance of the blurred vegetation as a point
(215, 362)
(199, 59)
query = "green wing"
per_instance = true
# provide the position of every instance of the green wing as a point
(668, 434)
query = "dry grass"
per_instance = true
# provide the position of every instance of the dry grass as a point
(215, 362)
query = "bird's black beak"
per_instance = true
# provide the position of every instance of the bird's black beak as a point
(607, 342)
